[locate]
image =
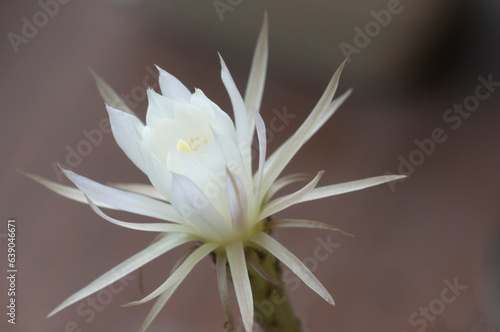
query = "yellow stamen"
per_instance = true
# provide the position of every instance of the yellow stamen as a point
(182, 146)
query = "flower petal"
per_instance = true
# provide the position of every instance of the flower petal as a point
(303, 223)
(241, 281)
(281, 157)
(242, 124)
(220, 121)
(238, 203)
(127, 131)
(251, 261)
(160, 303)
(285, 181)
(346, 187)
(146, 255)
(225, 152)
(257, 77)
(110, 96)
(139, 188)
(180, 272)
(159, 107)
(159, 175)
(123, 200)
(190, 202)
(220, 266)
(165, 296)
(261, 135)
(332, 108)
(65, 191)
(171, 87)
(290, 260)
(282, 203)
(149, 227)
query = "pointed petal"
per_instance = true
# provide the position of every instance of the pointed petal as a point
(220, 121)
(282, 203)
(180, 272)
(159, 175)
(149, 227)
(220, 266)
(110, 96)
(257, 77)
(238, 203)
(127, 131)
(346, 187)
(281, 157)
(165, 296)
(303, 223)
(241, 281)
(65, 191)
(141, 258)
(171, 87)
(160, 303)
(159, 107)
(139, 188)
(290, 260)
(223, 152)
(332, 108)
(123, 200)
(285, 181)
(242, 124)
(256, 266)
(261, 135)
(190, 202)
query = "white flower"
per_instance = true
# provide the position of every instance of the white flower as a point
(203, 187)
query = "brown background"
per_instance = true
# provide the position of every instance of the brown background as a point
(441, 223)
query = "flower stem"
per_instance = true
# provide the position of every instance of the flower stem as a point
(273, 310)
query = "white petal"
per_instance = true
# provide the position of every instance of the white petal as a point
(159, 107)
(241, 281)
(110, 96)
(127, 131)
(290, 260)
(303, 223)
(163, 245)
(281, 157)
(220, 121)
(225, 152)
(261, 135)
(171, 87)
(282, 203)
(165, 296)
(190, 202)
(240, 113)
(180, 272)
(346, 187)
(65, 191)
(238, 203)
(139, 188)
(149, 227)
(159, 175)
(160, 303)
(123, 200)
(220, 265)
(332, 108)
(257, 77)
(285, 181)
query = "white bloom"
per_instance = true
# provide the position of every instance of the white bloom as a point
(203, 187)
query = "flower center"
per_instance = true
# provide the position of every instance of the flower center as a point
(194, 144)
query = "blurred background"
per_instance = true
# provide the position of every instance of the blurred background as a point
(415, 68)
